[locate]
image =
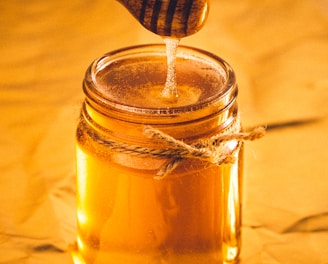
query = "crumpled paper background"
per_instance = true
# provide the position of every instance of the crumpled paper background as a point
(279, 50)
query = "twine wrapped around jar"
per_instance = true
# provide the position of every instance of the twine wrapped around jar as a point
(214, 149)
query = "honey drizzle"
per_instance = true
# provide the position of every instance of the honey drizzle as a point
(170, 91)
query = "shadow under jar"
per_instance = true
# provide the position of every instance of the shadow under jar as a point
(141, 198)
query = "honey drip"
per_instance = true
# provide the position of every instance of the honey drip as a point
(170, 91)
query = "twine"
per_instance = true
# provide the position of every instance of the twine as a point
(215, 149)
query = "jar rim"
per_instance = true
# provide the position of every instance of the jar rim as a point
(96, 97)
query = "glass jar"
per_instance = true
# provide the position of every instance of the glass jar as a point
(155, 182)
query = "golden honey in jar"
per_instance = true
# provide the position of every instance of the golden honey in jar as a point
(146, 199)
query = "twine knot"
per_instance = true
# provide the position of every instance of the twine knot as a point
(215, 149)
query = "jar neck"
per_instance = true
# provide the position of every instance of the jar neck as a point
(188, 131)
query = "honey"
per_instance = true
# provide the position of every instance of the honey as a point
(125, 213)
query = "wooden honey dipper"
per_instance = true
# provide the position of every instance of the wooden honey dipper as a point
(169, 18)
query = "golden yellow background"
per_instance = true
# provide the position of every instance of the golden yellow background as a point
(279, 50)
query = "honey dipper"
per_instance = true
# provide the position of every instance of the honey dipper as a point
(169, 18)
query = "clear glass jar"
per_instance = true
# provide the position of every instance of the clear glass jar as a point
(150, 199)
